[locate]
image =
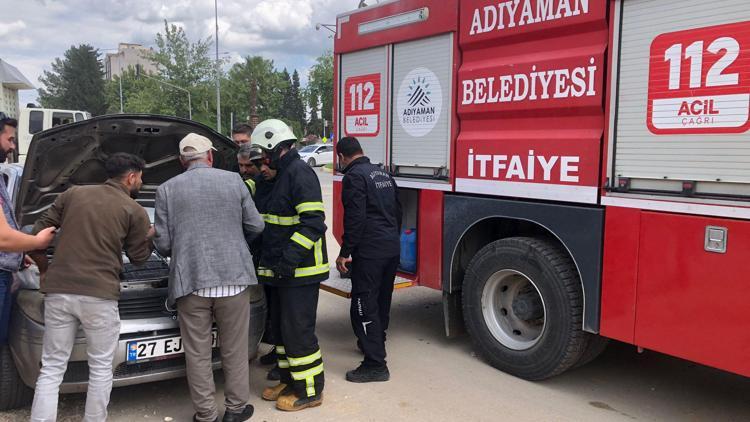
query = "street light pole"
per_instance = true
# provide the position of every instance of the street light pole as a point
(138, 74)
(121, 106)
(328, 26)
(218, 76)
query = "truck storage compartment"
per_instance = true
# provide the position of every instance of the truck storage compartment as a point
(692, 289)
(422, 104)
(683, 99)
(409, 230)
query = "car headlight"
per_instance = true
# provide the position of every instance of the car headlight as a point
(256, 293)
(31, 303)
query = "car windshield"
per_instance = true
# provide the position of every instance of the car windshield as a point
(309, 148)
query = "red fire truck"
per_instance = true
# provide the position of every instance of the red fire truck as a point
(575, 170)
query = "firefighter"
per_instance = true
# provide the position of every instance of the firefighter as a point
(371, 242)
(260, 178)
(247, 156)
(294, 261)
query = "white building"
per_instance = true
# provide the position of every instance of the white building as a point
(11, 81)
(128, 55)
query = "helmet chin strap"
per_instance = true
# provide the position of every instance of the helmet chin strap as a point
(276, 153)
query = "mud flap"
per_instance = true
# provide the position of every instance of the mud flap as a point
(453, 316)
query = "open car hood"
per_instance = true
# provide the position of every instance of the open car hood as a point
(74, 154)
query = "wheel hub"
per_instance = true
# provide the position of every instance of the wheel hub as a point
(528, 305)
(513, 309)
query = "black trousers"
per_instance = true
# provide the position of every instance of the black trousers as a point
(293, 315)
(372, 290)
(268, 336)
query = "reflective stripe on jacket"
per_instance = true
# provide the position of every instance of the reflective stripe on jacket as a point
(295, 226)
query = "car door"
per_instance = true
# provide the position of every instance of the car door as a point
(325, 154)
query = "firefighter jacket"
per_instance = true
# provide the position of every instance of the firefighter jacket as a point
(372, 212)
(251, 186)
(294, 247)
(261, 191)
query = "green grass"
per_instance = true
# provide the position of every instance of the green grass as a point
(329, 166)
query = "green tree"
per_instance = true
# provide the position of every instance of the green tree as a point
(239, 97)
(76, 82)
(298, 103)
(140, 95)
(189, 66)
(292, 103)
(321, 83)
(314, 124)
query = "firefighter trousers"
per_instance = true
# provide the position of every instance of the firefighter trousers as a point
(268, 337)
(293, 314)
(372, 290)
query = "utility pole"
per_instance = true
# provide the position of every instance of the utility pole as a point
(218, 74)
(119, 65)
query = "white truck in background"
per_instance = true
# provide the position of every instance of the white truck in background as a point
(32, 120)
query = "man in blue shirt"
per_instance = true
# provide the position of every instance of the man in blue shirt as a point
(12, 242)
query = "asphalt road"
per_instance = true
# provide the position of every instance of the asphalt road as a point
(435, 379)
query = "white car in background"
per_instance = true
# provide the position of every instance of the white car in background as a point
(317, 155)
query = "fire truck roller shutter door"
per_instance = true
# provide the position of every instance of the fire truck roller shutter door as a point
(363, 90)
(422, 106)
(684, 97)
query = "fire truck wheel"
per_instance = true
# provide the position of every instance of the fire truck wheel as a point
(13, 392)
(523, 307)
(594, 348)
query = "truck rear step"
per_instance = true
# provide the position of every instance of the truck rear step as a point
(343, 286)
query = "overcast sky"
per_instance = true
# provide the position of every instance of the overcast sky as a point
(34, 32)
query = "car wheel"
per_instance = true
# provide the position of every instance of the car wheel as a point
(523, 307)
(13, 392)
(311, 162)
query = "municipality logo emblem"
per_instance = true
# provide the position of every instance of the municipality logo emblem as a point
(419, 92)
(420, 102)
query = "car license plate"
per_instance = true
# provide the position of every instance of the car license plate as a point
(160, 347)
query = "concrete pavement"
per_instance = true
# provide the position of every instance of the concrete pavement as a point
(435, 379)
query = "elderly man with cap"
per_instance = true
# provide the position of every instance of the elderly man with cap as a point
(204, 220)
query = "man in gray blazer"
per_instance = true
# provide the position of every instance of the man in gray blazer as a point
(204, 220)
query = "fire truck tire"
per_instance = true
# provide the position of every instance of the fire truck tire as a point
(523, 307)
(13, 392)
(594, 348)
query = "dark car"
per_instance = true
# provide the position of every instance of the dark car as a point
(149, 347)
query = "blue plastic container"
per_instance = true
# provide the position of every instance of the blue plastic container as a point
(409, 251)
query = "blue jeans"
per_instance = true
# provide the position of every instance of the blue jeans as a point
(6, 279)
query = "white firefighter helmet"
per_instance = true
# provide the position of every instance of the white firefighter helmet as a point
(270, 133)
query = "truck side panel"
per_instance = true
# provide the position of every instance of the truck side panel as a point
(692, 297)
(531, 99)
(620, 273)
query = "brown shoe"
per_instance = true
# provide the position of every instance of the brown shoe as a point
(273, 393)
(291, 403)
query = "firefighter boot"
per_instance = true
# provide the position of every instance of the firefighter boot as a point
(273, 393)
(291, 403)
(368, 374)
